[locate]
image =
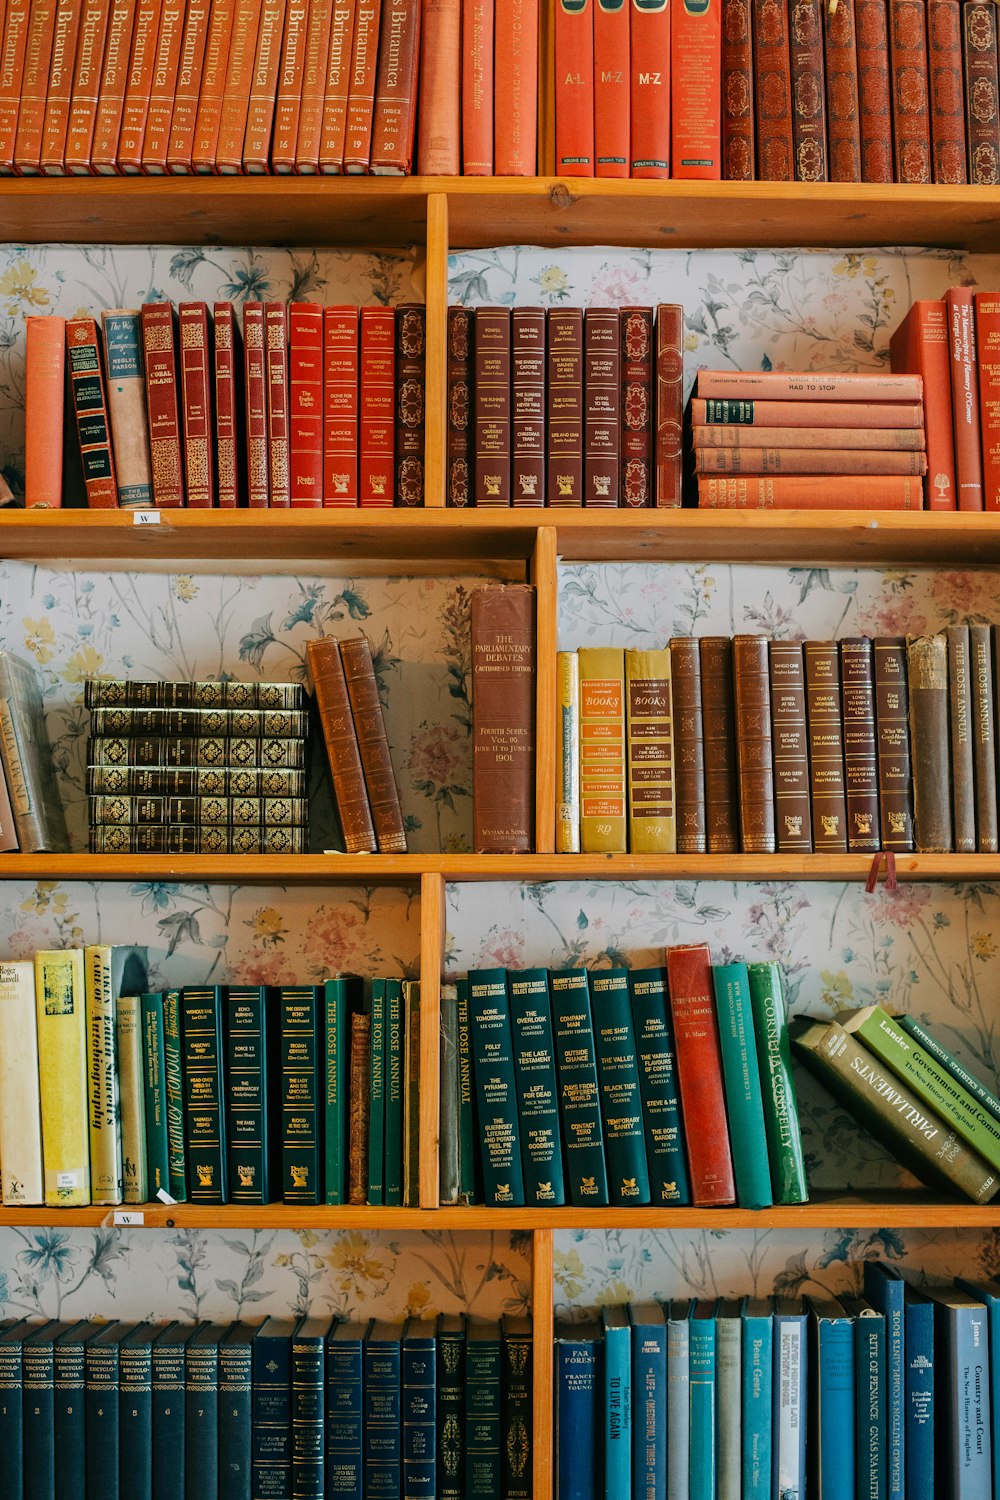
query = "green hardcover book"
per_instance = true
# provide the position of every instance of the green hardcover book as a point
(741, 1079)
(341, 996)
(204, 1111)
(128, 1032)
(702, 1357)
(450, 1405)
(252, 1094)
(393, 1087)
(951, 1065)
(173, 1077)
(483, 1358)
(661, 1105)
(579, 1100)
(777, 1082)
(496, 1097)
(516, 1436)
(927, 1078)
(411, 1094)
(618, 1082)
(302, 1057)
(470, 1190)
(449, 1187)
(537, 1088)
(376, 1117)
(155, 1095)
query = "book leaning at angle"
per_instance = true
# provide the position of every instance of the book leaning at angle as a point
(26, 759)
(20, 1105)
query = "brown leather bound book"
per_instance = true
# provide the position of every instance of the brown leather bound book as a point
(180, 130)
(911, 116)
(361, 94)
(602, 398)
(255, 397)
(636, 343)
(460, 431)
(772, 91)
(159, 339)
(980, 27)
(826, 747)
(15, 38)
(892, 721)
(927, 674)
(857, 686)
(359, 1107)
(840, 57)
(439, 123)
(336, 88)
(492, 405)
(34, 85)
(871, 26)
(139, 86)
(410, 380)
(719, 728)
(322, 21)
(737, 92)
(196, 401)
(373, 743)
(984, 737)
(289, 95)
(227, 355)
(503, 719)
(790, 743)
(960, 720)
(808, 91)
(669, 403)
(528, 406)
(221, 29)
(239, 80)
(340, 737)
(276, 366)
(565, 406)
(166, 69)
(754, 748)
(264, 88)
(111, 93)
(52, 159)
(395, 118)
(689, 745)
(947, 93)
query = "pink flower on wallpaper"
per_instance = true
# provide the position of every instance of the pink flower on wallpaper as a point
(902, 907)
(269, 968)
(965, 594)
(337, 938)
(614, 286)
(899, 615)
(20, 945)
(835, 302)
(439, 753)
(503, 948)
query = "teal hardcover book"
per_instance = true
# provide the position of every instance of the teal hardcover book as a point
(758, 1339)
(496, 1095)
(537, 1090)
(702, 1465)
(661, 1105)
(252, 1093)
(302, 1073)
(376, 1119)
(469, 1174)
(618, 1082)
(393, 1186)
(579, 1100)
(777, 1081)
(835, 1397)
(741, 1077)
(869, 1385)
(173, 1078)
(617, 1374)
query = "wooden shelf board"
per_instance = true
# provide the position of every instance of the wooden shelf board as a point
(800, 538)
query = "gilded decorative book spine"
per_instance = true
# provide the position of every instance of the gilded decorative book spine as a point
(947, 90)
(927, 671)
(602, 396)
(89, 400)
(772, 63)
(255, 388)
(196, 397)
(860, 751)
(721, 805)
(960, 720)
(369, 724)
(809, 132)
(689, 746)
(461, 451)
(565, 406)
(326, 669)
(738, 154)
(341, 407)
(567, 753)
(754, 752)
(842, 108)
(669, 403)
(791, 750)
(305, 405)
(186, 838)
(910, 109)
(503, 719)
(982, 127)
(227, 376)
(160, 350)
(206, 811)
(358, 1108)
(649, 718)
(895, 783)
(276, 368)
(874, 92)
(826, 747)
(636, 337)
(410, 382)
(527, 406)
(198, 721)
(602, 750)
(193, 781)
(194, 750)
(377, 406)
(984, 737)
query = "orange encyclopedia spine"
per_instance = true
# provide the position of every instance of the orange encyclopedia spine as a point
(289, 96)
(85, 89)
(338, 84)
(52, 160)
(696, 75)
(361, 92)
(15, 40)
(111, 97)
(221, 28)
(611, 88)
(574, 47)
(314, 78)
(139, 86)
(239, 78)
(34, 84)
(649, 49)
(264, 88)
(180, 146)
(439, 124)
(166, 66)
(395, 118)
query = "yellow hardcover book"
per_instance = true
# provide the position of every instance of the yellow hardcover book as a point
(602, 750)
(102, 1078)
(60, 1007)
(567, 753)
(129, 1036)
(20, 1110)
(652, 818)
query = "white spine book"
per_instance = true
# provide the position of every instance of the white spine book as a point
(20, 1100)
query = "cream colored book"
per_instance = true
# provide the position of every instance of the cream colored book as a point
(129, 1033)
(127, 405)
(20, 1109)
(60, 1006)
(102, 1079)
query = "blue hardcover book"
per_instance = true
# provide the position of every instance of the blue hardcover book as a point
(741, 1077)
(832, 1358)
(728, 1401)
(701, 1354)
(271, 1408)
(11, 1407)
(788, 1420)
(483, 1410)
(884, 1288)
(537, 1089)
(345, 1410)
(201, 1413)
(649, 1394)
(661, 1105)
(679, 1399)
(135, 1412)
(308, 1408)
(393, 1181)
(918, 1394)
(419, 1408)
(577, 1424)
(235, 1411)
(988, 1293)
(579, 1099)
(961, 1329)
(869, 1386)
(168, 1411)
(496, 1092)
(102, 1375)
(38, 1367)
(517, 1387)
(451, 1405)
(618, 1082)
(758, 1380)
(383, 1455)
(616, 1328)
(68, 1413)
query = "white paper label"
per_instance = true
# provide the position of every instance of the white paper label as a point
(145, 518)
(129, 1219)
(67, 1179)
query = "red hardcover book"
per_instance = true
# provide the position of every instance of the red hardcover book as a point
(738, 153)
(515, 89)
(947, 91)
(839, 461)
(228, 370)
(772, 91)
(159, 347)
(190, 70)
(15, 40)
(395, 119)
(612, 72)
(264, 88)
(806, 413)
(636, 337)
(340, 406)
(649, 88)
(460, 449)
(965, 397)
(111, 94)
(980, 33)
(166, 67)
(669, 403)
(987, 309)
(808, 91)
(90, 404)
(338, 85)
(305, 404)
(239, 81)
(377, 404)
(439, 118)
(699, 1075)
(361, 87)
(808, 385)
(255, 388)
(921, 346)
(410, 379)
(491, 405)
(138, 86)
(52, 161)
(477, 88)
(696, 89)
(527, 387)
(289, 96)
(602, 406)
(34, 85)
(315, 77)
(44, 395)
(911, 119)
(574, 91)
(840, 56)
(221, 30)
(809, 492)
(276, 365)
(871, 25)
(196, 402)
(564, 475)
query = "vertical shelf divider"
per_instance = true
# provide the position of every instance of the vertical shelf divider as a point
(436, 346)
(542, 1304)
(432, 919)
(545, 578)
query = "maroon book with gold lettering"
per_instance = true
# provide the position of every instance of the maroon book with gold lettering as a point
(947, 92)
(305, 404)
(565, 406)
(892, 713)
(808, 91)
(227, 354)
(699, 1075)
(528, 406)
(196, 402)
(341, 406)
(410, 380)
(377, 407)
(636, 339)
(159, 340)
(840, 57)
(602, 398)
(255, 386)
(461, 452)
(492, 405)
(981, 92)
(857, 687)
(503, 719)
(738, 163)
(754, 745)
(276, 366)
(791, 749)
(871, 25)
(669, 403)
(911, 116)
(772, 91)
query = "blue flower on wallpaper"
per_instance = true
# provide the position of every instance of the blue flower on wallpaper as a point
(250, 282)
(50, 1254)
(156, 895)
